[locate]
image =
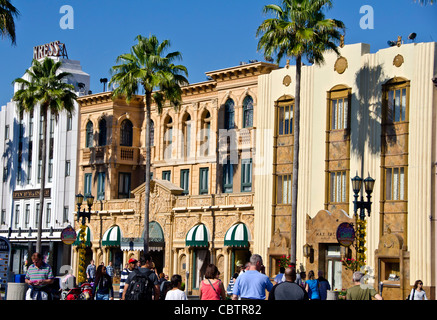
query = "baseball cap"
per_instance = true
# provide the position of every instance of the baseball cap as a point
(133, 260)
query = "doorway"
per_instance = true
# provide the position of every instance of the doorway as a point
(334, 266)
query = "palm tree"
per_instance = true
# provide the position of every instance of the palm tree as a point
(146, 67)
(47, 88)
(299, 29)
(7, 25)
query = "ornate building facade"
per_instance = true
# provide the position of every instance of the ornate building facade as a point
(222, 169)
(201, 205)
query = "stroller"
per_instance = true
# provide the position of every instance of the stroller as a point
(84, 292)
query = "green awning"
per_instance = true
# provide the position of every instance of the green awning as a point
(156, 235)
(87, 237)
(198, 236)
(112, 237)
(237, 236)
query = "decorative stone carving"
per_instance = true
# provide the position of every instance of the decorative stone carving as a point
(278, 240)
(398, 60)
(341, 65)
(286, 81)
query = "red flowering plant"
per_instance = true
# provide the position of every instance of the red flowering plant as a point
(352, 264)
(285, 262)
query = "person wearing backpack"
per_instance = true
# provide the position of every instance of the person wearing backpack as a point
(142, 283)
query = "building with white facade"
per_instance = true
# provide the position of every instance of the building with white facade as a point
(21, 176)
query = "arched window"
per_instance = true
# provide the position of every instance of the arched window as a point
(248, 112)
(102, 132)
(229, 114)
(168, 137)
(186, 130)
(126, 133)
(285, 121)
(205, 133)
(89, 135)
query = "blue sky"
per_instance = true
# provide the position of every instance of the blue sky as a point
(210, 34)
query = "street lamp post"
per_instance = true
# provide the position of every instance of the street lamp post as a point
(83, 214)
(360, 220)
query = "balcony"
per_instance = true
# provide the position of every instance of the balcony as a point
(223, 201)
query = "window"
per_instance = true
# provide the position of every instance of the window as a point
(337, 186)
(88, 184)
(203, 180)
(166, 175)
(339, 113)
(101, 186)
(30, 125)
(396, 100)
(205, 133)
(248, 112)
(283, 189)
(48, 214)
(89, 135)
(395, 183)
(168, 137)
(186, 130)
(65, 215)
(67, 168)
(50, 173)
(228, 176)
(397, 105)
(27, 216)
(229, 114)
(126, 133)
(3, 217)
(285, 117)
(185, 176)
(17, 215)
(7, 132)
(124, 181)
(36, 215)
(246, 175)
(69, 122)
(102, 132)
(39, 170)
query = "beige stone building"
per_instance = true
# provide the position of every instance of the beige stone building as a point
(201, 207)
(222, 169)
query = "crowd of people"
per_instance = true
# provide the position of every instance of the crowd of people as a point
(140, 281)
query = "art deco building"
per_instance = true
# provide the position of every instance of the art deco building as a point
(371, 114)
(21, 176)
(222, 169)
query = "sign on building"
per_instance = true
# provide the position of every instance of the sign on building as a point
(5, 257)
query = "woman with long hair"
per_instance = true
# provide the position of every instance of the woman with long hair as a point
(417, 293)
(103, 289)
(212, 288)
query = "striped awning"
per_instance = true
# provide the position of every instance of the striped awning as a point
(156, 236)
(198, 236)
(112, 237)
(237, 236)
(87, 237)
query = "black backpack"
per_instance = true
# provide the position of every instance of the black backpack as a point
(140, 287)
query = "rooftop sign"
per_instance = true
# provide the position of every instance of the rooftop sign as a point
(52, 49)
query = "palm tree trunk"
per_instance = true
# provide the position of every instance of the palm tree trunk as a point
(148, 102)
(43, 180)
(295, 163)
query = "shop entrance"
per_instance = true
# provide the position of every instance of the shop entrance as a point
(333, 267)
